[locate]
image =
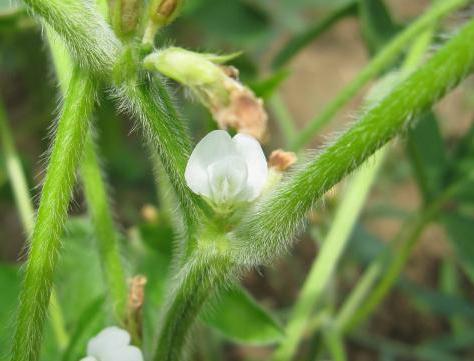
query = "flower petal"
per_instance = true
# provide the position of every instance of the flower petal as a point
(88, 358)
(111, 338)
(128, 353)
(251, 151)
(212, 148)
(227, 178)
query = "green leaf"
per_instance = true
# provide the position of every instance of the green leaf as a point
(9, 288)
(267, 87)
(300, 41)
(238, 317)
(427, 155)
(376, 24)
(90, 322)
(150, 255)
(460, 229)
(230, 20)
(78, 278)
(437, 302)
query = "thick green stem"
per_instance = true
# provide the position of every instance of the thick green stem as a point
(107, 238)
(97, 200)
(327, 260)
(52, 213)
(379, 63)
(151, 103)
(85, 32)
(268, 229)
(27, 215)
(345, 218)
(205, 273)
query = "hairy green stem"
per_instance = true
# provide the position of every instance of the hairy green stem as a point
(341, 228)
(85, 32)
(380, 62)
(326, 262)
(150, 102)
(107, 238)
(95, 191)
(268, 229)
(27, 215)
(52, 213)
(205, 273)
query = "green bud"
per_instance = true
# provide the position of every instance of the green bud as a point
(216, 86)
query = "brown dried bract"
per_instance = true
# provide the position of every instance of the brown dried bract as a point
(281, 160)
(131, 11)
(136, 294)
(244, 112)
(167, 7)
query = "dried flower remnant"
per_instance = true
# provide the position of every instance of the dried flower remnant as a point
(161, 13)
(231, 103)
(226, 170)
(281, 160)
(112, 344)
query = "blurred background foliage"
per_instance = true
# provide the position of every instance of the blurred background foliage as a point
(297, 55)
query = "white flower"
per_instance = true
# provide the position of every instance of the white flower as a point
(227, 170)
(112, 344)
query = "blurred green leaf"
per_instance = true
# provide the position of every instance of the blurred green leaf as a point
(377, 25)
(436, 302)
(461, 165)
(150, 254)
(9, 288)
(300, 41)
(460, 229)
(230, 20)
(90, 322)
(241, 319)
(79, 276)
(267, 87)
(427, 155)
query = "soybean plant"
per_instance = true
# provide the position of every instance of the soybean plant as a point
(232, 209)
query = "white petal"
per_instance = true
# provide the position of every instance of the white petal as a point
(212, 148)
(250, 149)
(227, 178)
(88, 358)
(128, 353)
(111, 338)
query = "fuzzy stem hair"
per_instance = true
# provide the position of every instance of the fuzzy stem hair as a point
(85, 32)
(268, 229)
(45, 244)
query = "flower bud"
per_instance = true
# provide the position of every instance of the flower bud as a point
(231, 104)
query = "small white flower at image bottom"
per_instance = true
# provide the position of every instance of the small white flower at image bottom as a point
(227, 170)
(112, 344)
